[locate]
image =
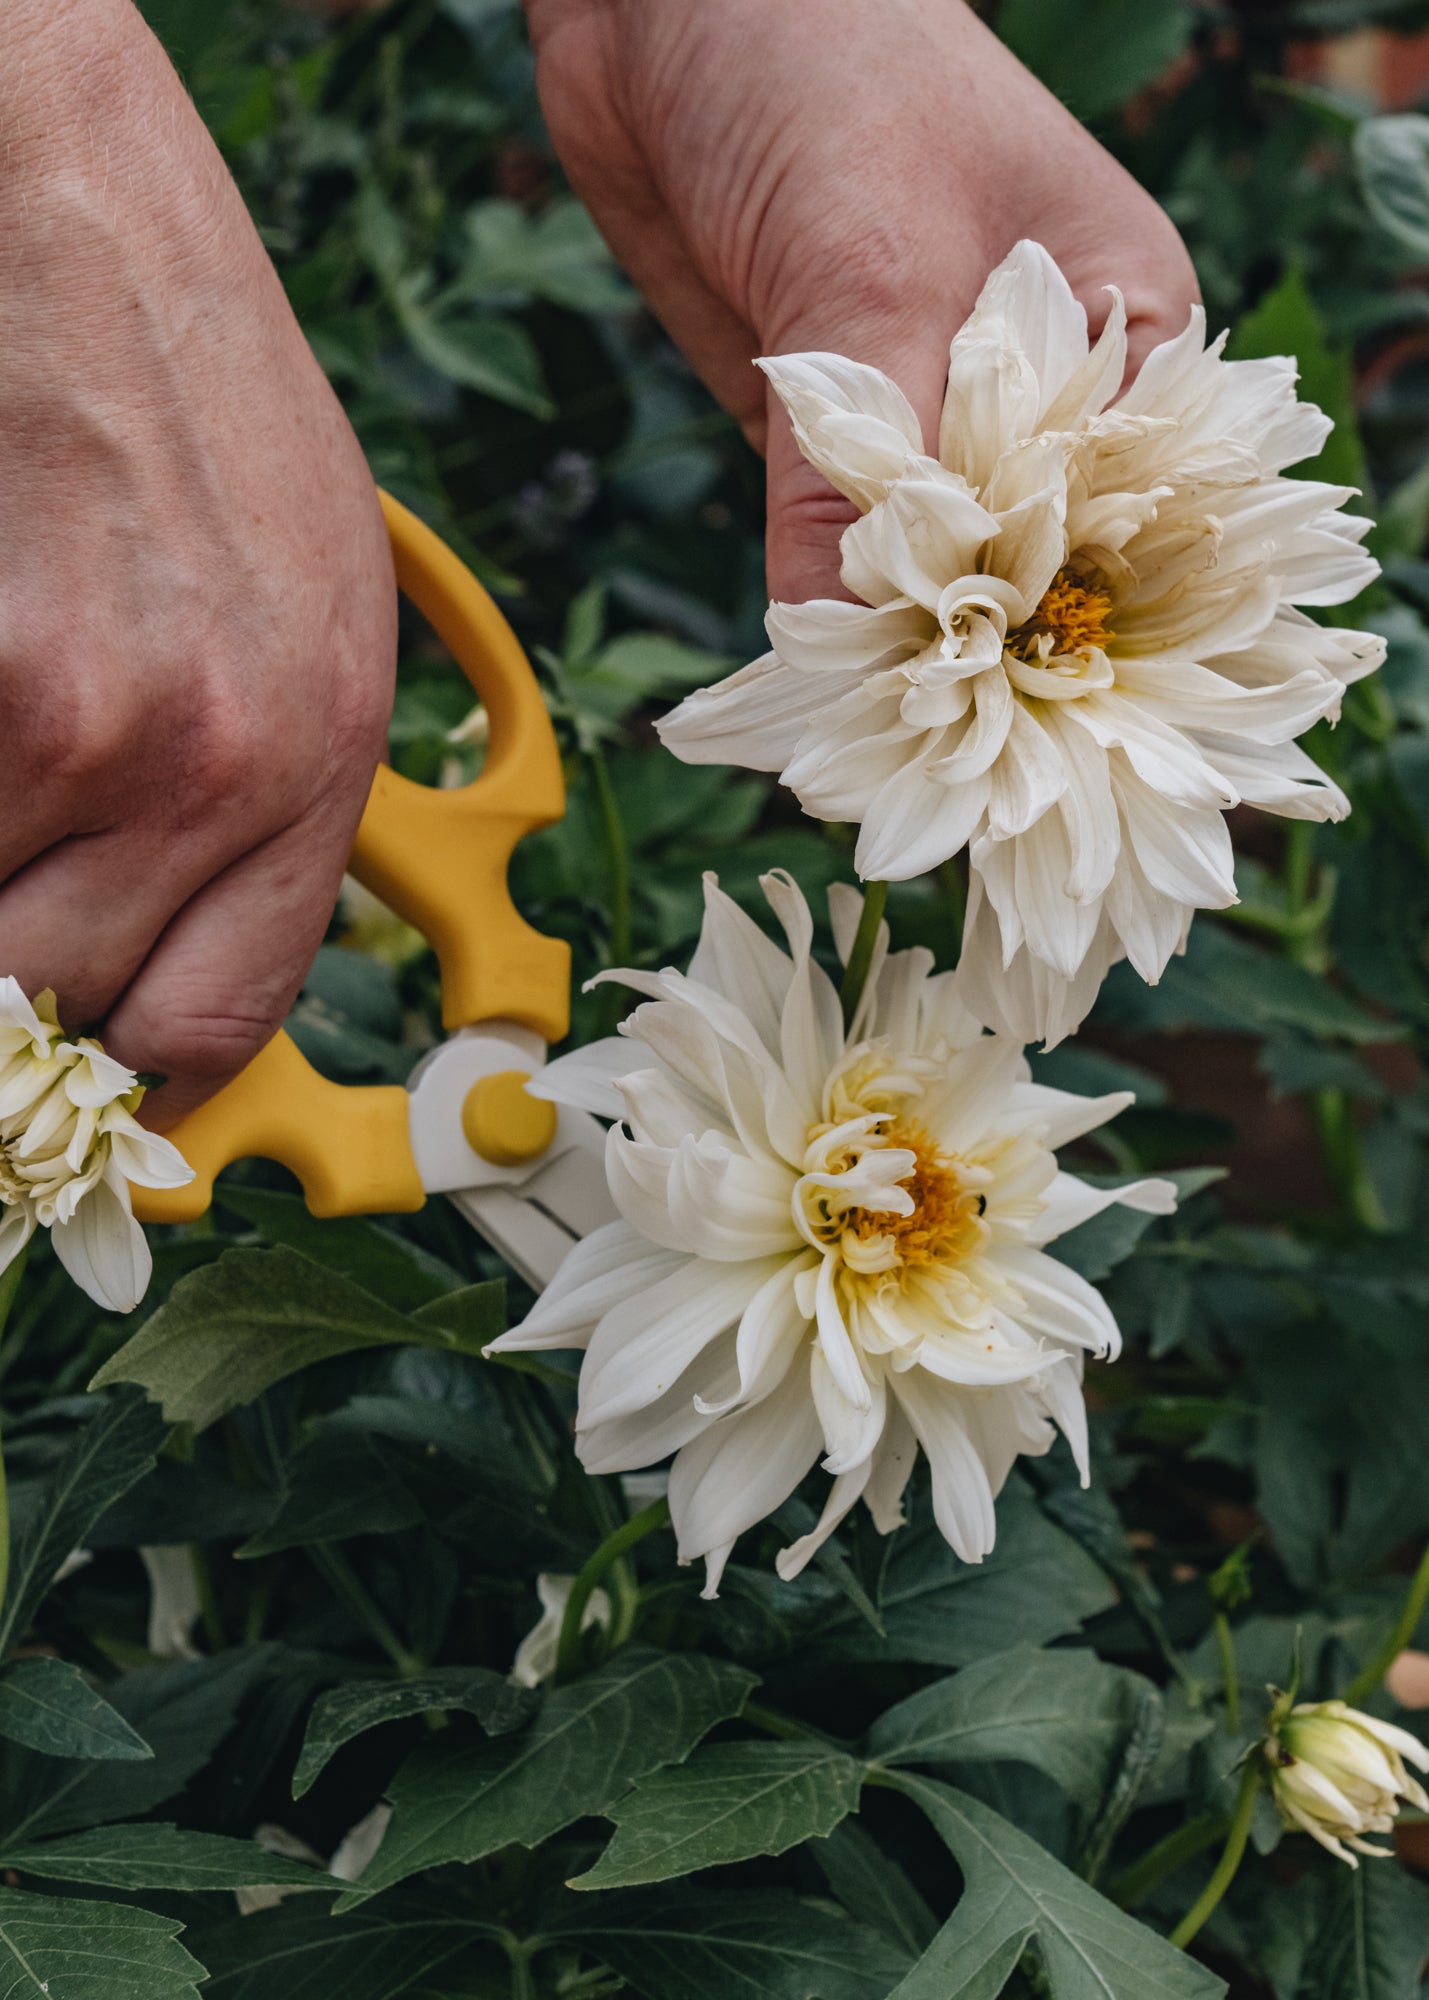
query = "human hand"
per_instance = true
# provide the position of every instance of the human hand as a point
(197, 608)
(823, 174)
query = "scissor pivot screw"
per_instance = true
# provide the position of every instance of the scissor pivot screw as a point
(503, 1122)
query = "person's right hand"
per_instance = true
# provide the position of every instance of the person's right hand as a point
(197, 609)
(837, 175)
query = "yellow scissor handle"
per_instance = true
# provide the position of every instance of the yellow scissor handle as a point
(439, 859)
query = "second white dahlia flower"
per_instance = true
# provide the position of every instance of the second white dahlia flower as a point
(832, 1245)
(1078, 637)
(70, 1147)
(1338, 1774)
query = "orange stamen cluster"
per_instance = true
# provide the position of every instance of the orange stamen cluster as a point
(1073, 614)
(946, 1224)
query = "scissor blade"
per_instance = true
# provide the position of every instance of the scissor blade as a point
(533, 1242)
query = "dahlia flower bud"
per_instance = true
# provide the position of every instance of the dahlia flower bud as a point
(1338, 1774)
(536, 1655)
(70, 1146)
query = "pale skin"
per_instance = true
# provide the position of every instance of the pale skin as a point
(197, 612)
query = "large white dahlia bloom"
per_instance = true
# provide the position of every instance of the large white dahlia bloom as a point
(832, 1242)
(1077, 638)
(70, 1147)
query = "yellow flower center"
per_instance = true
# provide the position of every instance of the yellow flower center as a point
(946, 1224)
(878, 1245)
(1071, 619)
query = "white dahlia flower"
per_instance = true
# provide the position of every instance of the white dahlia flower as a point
(832, 1242)
(1077, 639)
(1338, 1774)
(70, 1146)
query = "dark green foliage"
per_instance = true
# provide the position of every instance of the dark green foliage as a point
(369, 1503)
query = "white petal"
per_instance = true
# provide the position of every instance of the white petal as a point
(104, 1249)
(743, 1467)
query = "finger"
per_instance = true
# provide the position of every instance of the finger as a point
(806, 516)
(220, 980)
(83, 917)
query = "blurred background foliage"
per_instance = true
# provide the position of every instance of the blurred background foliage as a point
(391, 1509)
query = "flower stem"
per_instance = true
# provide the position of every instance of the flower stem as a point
(568, 1647)
(9, 1286)
(1369, 1677)
(617, 851)
(860, 957)
(1237, 1835)
(354, 1594)
(1135, 1883)
(1225, 1646)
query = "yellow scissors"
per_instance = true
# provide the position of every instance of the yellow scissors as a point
(529, 1176)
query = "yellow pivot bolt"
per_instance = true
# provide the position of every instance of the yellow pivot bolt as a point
(503, 1122)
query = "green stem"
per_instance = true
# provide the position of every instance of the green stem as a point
(9, 1286)
(1369, 1677)
(1236, 1837)
(349, 1587)
(860, 957)
(568, 1647)
(1135, 1883)
(617, 849)
(1339, 1143)
(1225, 1646)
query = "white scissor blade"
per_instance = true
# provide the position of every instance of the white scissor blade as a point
(529, 1239)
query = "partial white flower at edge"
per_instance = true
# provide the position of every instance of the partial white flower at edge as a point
(70, 1147)
(535, 1659)
(1338, 1774)
(832, 1245)
(1078, 639)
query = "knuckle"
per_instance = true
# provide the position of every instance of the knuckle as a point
(205, 1045)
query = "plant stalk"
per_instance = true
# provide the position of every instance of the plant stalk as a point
(354, 1594)
(568, 1647)
(860, 957)
(1236, 1837)
(1369, 1677)
(1135, 1883)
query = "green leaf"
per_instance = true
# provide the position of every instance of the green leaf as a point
(1095, 54)
(229, 1331)
(558, 255)
(493, 356)
(392, 1268)
(1392, 160)
(1066, 1713)
(1015, 1892)
(1287, 321)
(339, 1484)
(299, 1952)
(75, 1950)
(1372, 1943)
(104, 1458)
(1037, 1584)
(149, 1856)
(345, 1712)
(728, 1802)
(183, 1712)
(48, 1705)
(874, 1889)
(591, 1740)
(749, 1945)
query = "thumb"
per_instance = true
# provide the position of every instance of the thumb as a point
(806, 514)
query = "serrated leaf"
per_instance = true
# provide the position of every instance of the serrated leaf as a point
(229, 1331)
(345, 1712)
(299, 1952)
(1013, 1892)
(104, 1458)
(149, 1856)
(69, 1949)
(182, 1711)
(48, 1705)
(591, 1740)
(749, 1945)
(1066, 1713)
(729, 1801)
(1037, 1584)
(389, 1266)
(1392, 159)
(1374, 1939)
